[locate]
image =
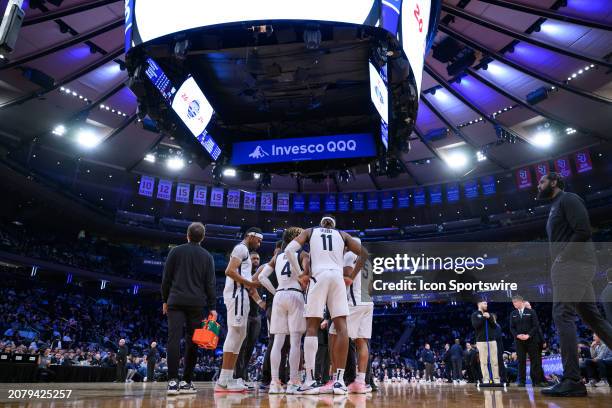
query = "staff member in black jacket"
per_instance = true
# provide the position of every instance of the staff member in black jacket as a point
(152, 357)
(485, 326)
(525, 329)
(573, 268)
(188, 285)
(122, 353)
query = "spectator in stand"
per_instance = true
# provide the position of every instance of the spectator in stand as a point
(596, 366)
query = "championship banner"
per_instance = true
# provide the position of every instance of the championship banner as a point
(216, 197)
(282, 202)
(358, 201)
(435, 195)
(343, 202)
(562, 166)
(298, 203)
(330, 203)
(523, 178)
(147, 183)
(387, 200)
(452, 192)
(233, 199)
(164, 190)
(199, 195)
(583, 161)
(419, 197)
(488, 185)
(403, 199)
(182, 192)
(470, 189)
(267, 201)
(250, 201)
(372, 200)
(314, 203)
(541, 169)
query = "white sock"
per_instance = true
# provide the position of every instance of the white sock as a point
(294, 357)
(339, 377)
(275, 356)
(225, 376)
(360, 377)
(311, 344)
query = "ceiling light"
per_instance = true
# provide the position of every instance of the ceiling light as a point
(480, 156)
(229, 172)
(59, 130)
(256, 176)
(542, 139)
(175, 163)
(457, 160)
(150, 158)
(87, 138)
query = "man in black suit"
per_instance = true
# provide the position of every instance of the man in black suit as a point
(152, 357)
(122, 353)
(525, 329)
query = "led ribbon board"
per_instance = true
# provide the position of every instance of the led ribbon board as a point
(146, 20)
(302, 149)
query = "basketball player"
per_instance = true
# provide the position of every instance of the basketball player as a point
(287, 312)
(327, 288)
(361, 313)
(235, 297)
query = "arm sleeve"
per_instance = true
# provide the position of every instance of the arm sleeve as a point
(476, 321)
(211, 283)
(535, 325)
(264, 278)
(577, 217)
(167, 276)
(512, 325)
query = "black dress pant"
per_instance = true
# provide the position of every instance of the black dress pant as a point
(322, 361)
(350, 370)
(456, 364)
(179, 318)
(246, 350)
(150, 371)
(529, 348)
(570, 299)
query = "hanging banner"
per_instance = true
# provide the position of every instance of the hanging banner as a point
(314, 203)
(330, 203)
(182, 192)
(387, 200)
(562, 166)
(358, 201)
(282, 202)
(372, 200)
(435, 195)
(403, 199)
(452, 192)
(147, 184)
(233, 199)
(216, 197)
(583, 161)
(250, 201)
(488, 185)
(199, 195)
(343, 202)
(470, 189)
(419, 197)
(523, 178)
(298, 203)
(164, 190)
(541, 169)
(267, 201)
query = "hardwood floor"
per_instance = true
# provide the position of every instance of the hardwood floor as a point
(139, 395)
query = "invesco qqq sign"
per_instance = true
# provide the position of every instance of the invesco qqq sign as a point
(146, 20)
(302, 149)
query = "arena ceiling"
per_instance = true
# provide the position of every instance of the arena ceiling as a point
(68, 68)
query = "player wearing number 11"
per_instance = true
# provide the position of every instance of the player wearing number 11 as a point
(327, 288)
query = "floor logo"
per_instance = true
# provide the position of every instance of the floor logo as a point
(258, 153)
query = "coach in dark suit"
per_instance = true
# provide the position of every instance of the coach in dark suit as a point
(122, 353)
(152, 357)
(525, 329)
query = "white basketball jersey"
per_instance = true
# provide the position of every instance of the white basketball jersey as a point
(326, 250)
(361, 282)
(284, 275)
(232, 288)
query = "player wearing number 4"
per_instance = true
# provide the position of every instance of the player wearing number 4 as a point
(327, 288)
(287, 311)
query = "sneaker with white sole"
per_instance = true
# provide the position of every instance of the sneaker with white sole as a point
(369, 389)
(327, 388)
(309, 388)
(292, 388)
(173, 387)
(230, 386)
(187, 387)
(339, 388)
(276, 388)
(247, 386)
(357, 387)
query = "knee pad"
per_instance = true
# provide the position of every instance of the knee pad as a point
(234, 339)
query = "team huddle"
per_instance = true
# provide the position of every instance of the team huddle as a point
(328, 279)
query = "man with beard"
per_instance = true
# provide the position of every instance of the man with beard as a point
(238, 287)
(573, 268)
(485, 327)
